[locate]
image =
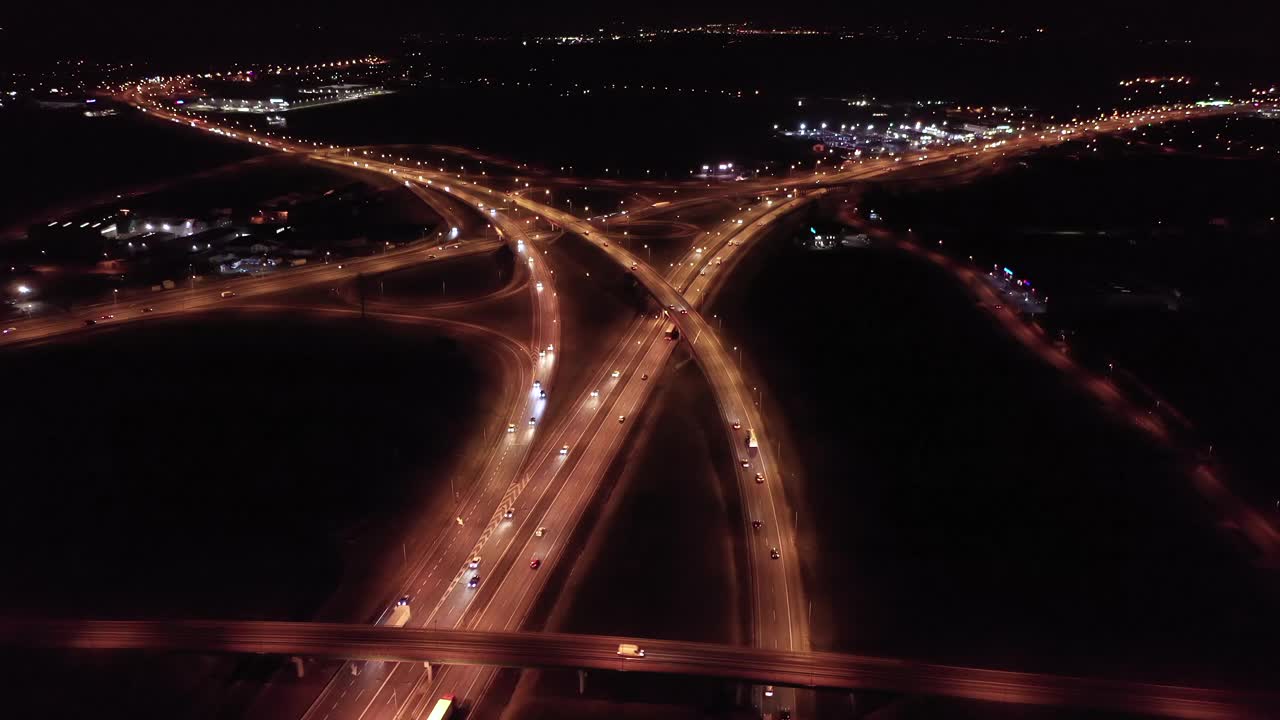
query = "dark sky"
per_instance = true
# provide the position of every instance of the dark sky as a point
(51, 24)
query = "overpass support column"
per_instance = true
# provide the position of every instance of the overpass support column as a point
(297, 666)
(427, 665)
(582, 682)
(355, 669)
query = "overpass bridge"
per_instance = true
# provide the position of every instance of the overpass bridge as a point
(554, 650)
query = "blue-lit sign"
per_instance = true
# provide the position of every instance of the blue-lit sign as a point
(1008, 272)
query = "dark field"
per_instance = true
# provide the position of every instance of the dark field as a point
(125, 153)
(960, 505)
(1159, 259)
(448, 280)
(225, 466)
(276, 178)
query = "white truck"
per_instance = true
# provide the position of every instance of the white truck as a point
(399, 613)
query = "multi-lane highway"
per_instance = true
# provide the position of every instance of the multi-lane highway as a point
(205, 293)
(509, 605)
(556, 487)
(552, 488)
(594, 652)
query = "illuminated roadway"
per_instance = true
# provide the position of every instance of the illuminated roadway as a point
(779, 608)
(506, 608)
(206, 293)
(779, 616)
(553, 650)
(556, 496)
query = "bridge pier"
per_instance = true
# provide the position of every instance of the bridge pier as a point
(582, 682)
(297, 666)
(427, 665)
(355, 669)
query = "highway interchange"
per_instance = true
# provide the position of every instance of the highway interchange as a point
(542, 475)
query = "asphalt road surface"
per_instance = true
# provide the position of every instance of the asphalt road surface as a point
(553, 650)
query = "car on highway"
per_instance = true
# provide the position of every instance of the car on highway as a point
(10, 330)
(533, 421)
(630, 650)
(404, 600)
(634, 267)
(756, 524)
(616, 373)
(148, 309)
(510, 513)
(229, 294)
(542, 353)
(564, 449)
(703, 271)
(107, 317)
(644, 376)
(540, 532)
(474, 563)
(90, 321)
(622, 418)
(671, 307)
(773, 553)
(595, 393)
(511, 427)
(537, 384)
(538, 285)
(759, 477)
(474, 581)
(745, 463)
(737, 426)
(684, 311)
(535, 563)
(542, 394)
(768, 691)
